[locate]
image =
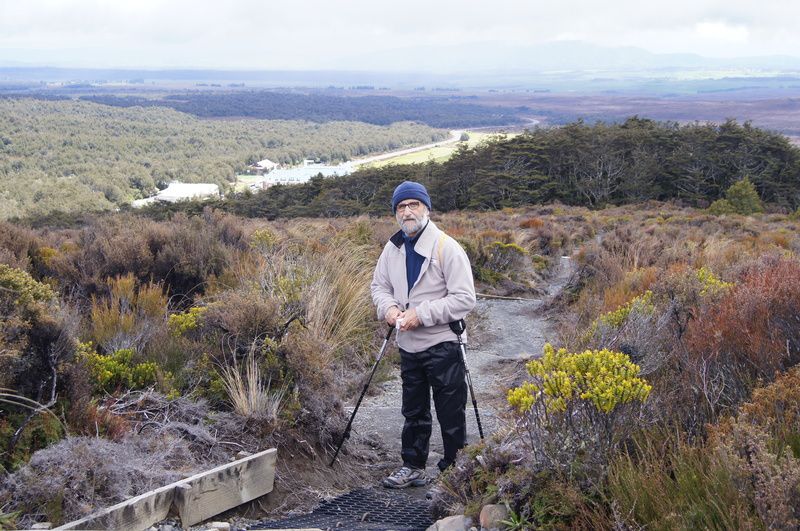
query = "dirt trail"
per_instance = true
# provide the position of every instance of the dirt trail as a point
(503, 334)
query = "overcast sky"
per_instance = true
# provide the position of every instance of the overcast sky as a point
(329, 34)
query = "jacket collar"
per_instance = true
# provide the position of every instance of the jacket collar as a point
(424, 245)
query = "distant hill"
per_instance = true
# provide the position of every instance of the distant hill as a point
(378, 110)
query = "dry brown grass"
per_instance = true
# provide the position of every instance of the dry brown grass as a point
(130, 316)
(249, 396)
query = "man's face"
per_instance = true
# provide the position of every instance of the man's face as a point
(411, 215)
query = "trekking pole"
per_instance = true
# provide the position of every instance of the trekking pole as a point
(346, 433)
(458, 328)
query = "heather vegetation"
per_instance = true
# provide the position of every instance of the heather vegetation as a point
(74, 156)
(669, 403)
(667, 400)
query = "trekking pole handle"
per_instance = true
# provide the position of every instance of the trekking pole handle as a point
(458, 327)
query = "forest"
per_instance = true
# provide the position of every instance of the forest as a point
(593, 165)
(73, 156)
(321, 108)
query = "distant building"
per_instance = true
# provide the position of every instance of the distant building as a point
(180, 192)
(263, 166)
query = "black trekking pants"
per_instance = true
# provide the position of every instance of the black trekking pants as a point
(439, 368)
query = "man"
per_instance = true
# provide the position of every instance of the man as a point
(422, 282)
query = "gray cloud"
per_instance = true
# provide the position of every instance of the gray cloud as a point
(320, 33)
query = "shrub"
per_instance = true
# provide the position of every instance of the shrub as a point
(772, 481)
(578, 406)
(40, 432)
(181, 323)
(192, 253)
(721, 207)
(36, 335)
(19, 286)
(743, 197)
(756, 333)
(239, 318)
(668, 484)
(504, 257)
(642, 303)
(129, 317)
(78, 475)
(776, 409)
(117, 371)
(532, 223)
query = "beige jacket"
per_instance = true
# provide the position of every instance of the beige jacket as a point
(444, 291)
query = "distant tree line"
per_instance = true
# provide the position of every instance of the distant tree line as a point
(578, 164)
(378, 110)
(76, 156)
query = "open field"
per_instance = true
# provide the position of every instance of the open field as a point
(439, 153)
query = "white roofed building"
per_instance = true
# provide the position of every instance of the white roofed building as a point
(181, 192)
(264, 166)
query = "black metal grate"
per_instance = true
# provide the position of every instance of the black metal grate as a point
(362, 510)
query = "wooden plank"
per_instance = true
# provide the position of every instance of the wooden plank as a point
(196, 498)
(134, 514)
(209, 493)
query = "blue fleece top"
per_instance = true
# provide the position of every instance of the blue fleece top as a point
(414, 260)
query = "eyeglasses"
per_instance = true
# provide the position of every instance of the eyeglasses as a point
(413, 205)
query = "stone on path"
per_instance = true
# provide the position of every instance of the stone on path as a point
(458, 522)
(492, 516)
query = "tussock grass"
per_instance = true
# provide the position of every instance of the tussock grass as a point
(673, 485)
(249, 396)
(338, 302)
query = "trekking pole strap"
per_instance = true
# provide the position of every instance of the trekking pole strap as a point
(458, 327)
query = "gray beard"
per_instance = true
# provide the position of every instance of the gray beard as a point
(418, 226)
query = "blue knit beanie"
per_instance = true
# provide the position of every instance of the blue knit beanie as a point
(410, 190)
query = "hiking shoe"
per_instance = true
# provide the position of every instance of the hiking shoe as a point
(406, 477)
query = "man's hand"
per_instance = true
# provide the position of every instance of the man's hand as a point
(392, 315)
(410, 321)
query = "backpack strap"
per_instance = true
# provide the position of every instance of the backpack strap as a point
(442, 237)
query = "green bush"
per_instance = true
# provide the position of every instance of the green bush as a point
(721, 207)
(117, 370)
(22, 287)
(181, 323)
(743, 197)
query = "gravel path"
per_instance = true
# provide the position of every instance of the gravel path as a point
(503, 333)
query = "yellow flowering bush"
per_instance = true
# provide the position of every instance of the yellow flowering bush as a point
(264, 240)
(25, 290)
(603, 378)
(180, 323)
(710, 283)
(578, 402)
(117, 370)
(617, 318)
(611, 322)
